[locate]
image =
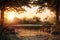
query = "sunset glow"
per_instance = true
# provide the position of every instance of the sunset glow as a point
(45, 15)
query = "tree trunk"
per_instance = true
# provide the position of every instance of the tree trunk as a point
(2, 23)
(57, 12)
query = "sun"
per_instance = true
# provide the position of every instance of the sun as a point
(11, 15)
